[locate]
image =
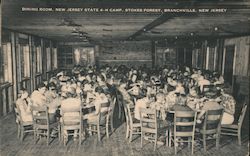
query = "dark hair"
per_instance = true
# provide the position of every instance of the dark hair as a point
(51, 85)
(41, 85)
(99, 89)
(170, 88)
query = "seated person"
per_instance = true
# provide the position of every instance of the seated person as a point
(212, 104)
(70, 107)
(143, 102)
(170, 99)
(218, 79)
(181, 102)
(53, 101)
(202, 81)
(194, 101)
(23, 104)
(181, 105)
(228, 102)
(99, 100)
(125, 95)
(159, 105)
(135, 91)
(38, 97)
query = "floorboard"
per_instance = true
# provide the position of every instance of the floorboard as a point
(116, 145)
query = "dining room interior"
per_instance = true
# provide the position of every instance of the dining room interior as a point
(106, 77)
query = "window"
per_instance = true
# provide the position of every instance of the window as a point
(25, 61)
(54, 58)
(211, 58)
(197, 58)
(38, 59)
(48, 55)
(6, 63)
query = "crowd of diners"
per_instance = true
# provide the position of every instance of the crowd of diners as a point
(163, 89)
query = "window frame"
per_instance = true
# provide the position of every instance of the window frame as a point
(6, 63)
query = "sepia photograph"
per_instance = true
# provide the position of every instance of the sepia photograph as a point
(124, 77)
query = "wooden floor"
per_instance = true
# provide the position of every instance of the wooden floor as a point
(116, 145)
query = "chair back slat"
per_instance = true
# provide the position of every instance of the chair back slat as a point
(148, 129)
(183, 134)
(215, 112)
(184, 123)
(184, 114)
(143, 119)
(147, 111)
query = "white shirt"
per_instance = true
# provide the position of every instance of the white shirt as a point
(141, 103)
(70, 109)
(37, 98)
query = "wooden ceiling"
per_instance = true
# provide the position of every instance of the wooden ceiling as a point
(119, 26)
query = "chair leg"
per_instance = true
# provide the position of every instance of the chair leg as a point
(65, 138)
(107, 130)
(131, 135)
(127, 131)
(22, 133)
(141, 139)
(111, 124)
(189, 141)
(18, 131)
(175, 146)
(34, 134)
(170, 138)
(204, 142)
(192, 152)
(48, 137)
(217, 141)
(80, 136)
(239, 137)
(98, 132)
(167, 135)
(155, 144)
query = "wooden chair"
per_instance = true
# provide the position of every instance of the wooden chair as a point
(235, 129)
(22, 127)
(184, 127)
(148, 122)
(134, 127)
(71, 120)
(211, 126)
(41, 122)
(102, 120)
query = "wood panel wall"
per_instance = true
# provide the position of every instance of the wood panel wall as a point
(130, 53)
(9, 90)
(242, 45)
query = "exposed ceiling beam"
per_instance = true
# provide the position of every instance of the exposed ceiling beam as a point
(158, 21)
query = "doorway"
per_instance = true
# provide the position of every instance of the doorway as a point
(229, 53)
